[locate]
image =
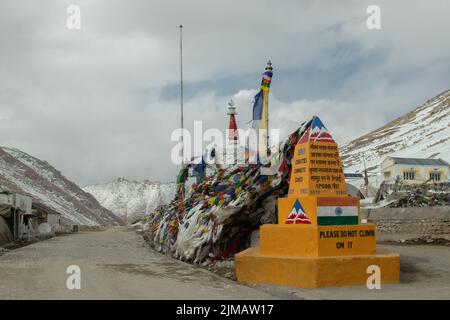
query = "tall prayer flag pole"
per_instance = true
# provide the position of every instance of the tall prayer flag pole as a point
(265, 86)
(260, 117)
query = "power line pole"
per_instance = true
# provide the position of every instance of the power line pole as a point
(366, 178)
(181, 93)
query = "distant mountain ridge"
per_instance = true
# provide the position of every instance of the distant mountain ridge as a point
(23, 173)
(421, 133)
(131, 200)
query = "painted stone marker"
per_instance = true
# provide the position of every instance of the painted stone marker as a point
(319, 240)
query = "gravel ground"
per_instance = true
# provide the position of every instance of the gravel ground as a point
(115, 264)
(118, 264)
(424, 274)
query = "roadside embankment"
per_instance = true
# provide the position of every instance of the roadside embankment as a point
(394, 224)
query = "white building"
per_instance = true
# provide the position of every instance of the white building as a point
(413, 170)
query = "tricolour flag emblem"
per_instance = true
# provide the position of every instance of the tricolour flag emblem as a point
(297, 215)
(337, 215)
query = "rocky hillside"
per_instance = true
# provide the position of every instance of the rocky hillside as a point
(131, 200)
(20, 172)
(421, 133)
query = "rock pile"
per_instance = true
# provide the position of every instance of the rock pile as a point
(421, 195)
(418, 195)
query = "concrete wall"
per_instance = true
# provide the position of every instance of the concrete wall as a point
(409, 223)
(53, 219)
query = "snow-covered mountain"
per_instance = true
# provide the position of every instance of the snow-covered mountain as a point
(22, 173)
(421, 133)
(131, 200)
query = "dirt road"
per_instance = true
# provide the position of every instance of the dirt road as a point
(118, 264)
(114, 264)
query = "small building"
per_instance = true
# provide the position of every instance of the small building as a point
(414, 170)
(16, 212)
(23, 219)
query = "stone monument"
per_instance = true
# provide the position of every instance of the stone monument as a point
(319, 240)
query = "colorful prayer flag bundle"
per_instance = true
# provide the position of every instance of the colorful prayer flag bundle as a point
(266, 80)
(219, 214)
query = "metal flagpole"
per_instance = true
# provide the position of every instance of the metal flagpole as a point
(181, 93)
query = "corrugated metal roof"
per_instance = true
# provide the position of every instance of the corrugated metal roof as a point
(421, 162)
(353, 175)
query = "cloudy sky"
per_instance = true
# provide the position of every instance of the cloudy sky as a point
(101, 102)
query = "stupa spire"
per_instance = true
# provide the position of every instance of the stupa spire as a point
(233, 134)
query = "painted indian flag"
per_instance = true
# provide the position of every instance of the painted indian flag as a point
(337, 215)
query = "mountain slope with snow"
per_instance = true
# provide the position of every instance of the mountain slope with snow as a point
(421, 133)
(22, 173)
(131, 200)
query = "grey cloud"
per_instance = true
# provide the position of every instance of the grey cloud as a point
(101, 102)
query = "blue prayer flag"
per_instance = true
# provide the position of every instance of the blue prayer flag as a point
(258, 106)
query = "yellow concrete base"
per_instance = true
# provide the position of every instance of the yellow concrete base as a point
(317, 241)
(314, 272)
